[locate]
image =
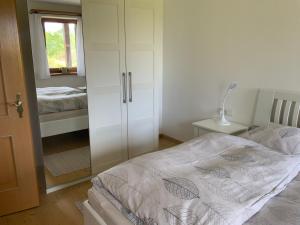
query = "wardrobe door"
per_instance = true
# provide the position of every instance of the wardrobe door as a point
(143, 60)
(104, 43)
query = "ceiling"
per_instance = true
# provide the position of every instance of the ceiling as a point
(71, 2)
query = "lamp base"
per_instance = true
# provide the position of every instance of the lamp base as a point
(223, 121)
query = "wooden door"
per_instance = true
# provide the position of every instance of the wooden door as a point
(143, 60)
(18, 182)
(104, 43)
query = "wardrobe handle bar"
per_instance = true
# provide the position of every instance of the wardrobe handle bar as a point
(124, 87)
(130, 86)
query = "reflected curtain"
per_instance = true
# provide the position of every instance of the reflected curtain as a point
(39, 51)
(80, 51)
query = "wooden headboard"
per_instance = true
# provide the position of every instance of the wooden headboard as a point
(278, 107)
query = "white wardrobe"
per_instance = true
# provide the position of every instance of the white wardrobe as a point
(123, 55)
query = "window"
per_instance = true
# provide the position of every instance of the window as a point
(60, 38)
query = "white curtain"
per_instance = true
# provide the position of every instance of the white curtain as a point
(80, 51)
(39, 52)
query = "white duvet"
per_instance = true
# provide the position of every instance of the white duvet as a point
(283, 209)
(60, 99)
(213, 180)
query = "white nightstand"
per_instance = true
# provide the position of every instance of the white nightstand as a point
(204, 126)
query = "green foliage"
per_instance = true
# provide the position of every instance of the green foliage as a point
(55, 49)
(55, 44)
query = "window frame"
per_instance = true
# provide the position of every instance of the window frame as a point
(65, 21)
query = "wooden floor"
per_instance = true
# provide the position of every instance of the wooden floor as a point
(61, 143)
(167, 142)
(52, 181)
(64, 142)
(59, 208)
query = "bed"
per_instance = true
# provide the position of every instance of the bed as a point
(62, 110)
(238, 181)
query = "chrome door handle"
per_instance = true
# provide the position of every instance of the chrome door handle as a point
(124, 87)
(130, 86)
(18, 104)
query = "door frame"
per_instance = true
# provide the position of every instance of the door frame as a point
(26, 54)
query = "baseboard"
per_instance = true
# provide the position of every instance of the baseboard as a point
(170, 138)
(63, 186)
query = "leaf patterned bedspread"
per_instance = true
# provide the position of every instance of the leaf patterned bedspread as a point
(216, 179)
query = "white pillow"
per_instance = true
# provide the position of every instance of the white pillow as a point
(279, 138)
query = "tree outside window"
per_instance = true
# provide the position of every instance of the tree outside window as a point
(60, 38)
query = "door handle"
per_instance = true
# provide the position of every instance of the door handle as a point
(130, 86)
(124, 87)
(18, 104)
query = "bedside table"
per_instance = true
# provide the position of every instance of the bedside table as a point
(211, 125)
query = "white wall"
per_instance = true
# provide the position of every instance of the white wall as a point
(33, 4)
(208, 43)
(72, 81)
